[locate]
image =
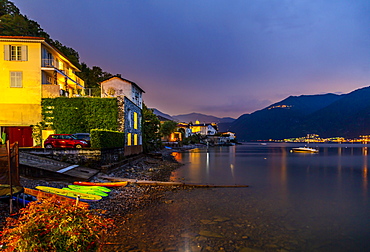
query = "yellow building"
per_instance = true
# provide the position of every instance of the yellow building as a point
(31, 69)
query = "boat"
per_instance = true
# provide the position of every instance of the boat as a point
(24, 199)
(100, 188)
(69, 193)
(304, 149)
(106, 184)
(93, 192)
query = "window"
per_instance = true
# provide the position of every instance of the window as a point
(135, 120)
(16, 79)
(15, 52)
(129, 118)
(128, 139)
(135, 139)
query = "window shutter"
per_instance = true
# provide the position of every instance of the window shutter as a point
(6, 52)
(24, 54)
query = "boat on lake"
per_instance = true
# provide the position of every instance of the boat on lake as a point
(304, 149)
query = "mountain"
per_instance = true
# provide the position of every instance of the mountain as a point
(328, 115)
(223, 124)
(162, 116)
(192, 117)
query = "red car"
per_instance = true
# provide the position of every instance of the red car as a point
(64, 141)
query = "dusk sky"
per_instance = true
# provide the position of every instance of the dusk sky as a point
(217, 57)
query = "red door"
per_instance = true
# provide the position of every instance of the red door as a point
(22, 135)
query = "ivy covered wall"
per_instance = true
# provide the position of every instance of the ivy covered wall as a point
(76, 115)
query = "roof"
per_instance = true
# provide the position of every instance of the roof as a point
(119, 77)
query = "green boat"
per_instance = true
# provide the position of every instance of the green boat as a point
(93, 192)
(69, 193)
(100, 188)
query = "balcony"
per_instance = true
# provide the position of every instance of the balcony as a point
(52, 66)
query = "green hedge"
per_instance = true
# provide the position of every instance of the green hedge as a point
(107, 138)
(75, 115)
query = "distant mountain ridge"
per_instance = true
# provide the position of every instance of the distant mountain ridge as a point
(163, 115)
(223, 123)
(327, 115)
(192, 117)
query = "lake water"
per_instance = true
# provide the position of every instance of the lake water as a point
(294, 202)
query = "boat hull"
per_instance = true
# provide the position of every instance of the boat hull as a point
(69, 193)
(106, 184)
(100, 188)
(304, 150)
(93, 192)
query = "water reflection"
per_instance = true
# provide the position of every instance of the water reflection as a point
(320, 190)
(295, 202)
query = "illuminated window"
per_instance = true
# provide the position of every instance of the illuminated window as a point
(135, 139)
(128, 139)
(135, 120)
(16, 79)
(15, 52)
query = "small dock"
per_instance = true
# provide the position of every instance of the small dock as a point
(34, 165)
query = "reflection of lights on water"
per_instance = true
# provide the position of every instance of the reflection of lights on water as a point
(364, 173)
(207, 160)
(364, 151)
(232, 170)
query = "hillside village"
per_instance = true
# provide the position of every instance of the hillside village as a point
(34, 71)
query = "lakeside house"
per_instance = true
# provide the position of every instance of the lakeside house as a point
(204, 129)
(31, 69)
(131, 96)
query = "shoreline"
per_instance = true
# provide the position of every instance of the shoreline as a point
(121, 200)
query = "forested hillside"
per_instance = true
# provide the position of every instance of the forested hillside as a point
(13, 23)
(328, 115)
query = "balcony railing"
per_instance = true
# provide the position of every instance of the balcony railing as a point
(48, 63)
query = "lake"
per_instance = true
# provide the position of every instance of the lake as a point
(294, 202)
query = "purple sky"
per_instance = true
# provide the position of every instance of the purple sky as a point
(217, 57)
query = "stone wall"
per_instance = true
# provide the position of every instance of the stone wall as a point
(88, 157)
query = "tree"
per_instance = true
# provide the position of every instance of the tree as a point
(13, 23)
(150, 130)
(7, 7)
(167, 128)
(93, 77)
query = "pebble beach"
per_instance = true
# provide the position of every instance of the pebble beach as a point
(121, 200)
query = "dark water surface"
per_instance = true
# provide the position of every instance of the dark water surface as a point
(295, 202)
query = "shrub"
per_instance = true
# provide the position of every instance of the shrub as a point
(51, 225)
(101, 138)
(73, 115)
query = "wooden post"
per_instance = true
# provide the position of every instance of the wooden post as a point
(10, 177)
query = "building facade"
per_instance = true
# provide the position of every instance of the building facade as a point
(131, 94)
(31, 69)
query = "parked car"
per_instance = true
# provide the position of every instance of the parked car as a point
(64, 141)
(82, 136)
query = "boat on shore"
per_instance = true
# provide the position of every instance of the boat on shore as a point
(105, 184)
(69, 193)
(304, 149)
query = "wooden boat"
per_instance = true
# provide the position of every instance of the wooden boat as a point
(93, 192)
(100, 188)
(69, 193)
(304, 149)
(106, 184)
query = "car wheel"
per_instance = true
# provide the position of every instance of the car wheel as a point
(48, 146)
(78, 146)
